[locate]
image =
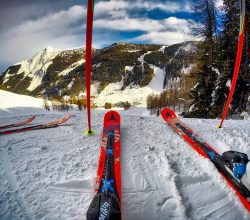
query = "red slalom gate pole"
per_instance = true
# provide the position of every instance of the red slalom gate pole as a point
(237, 61)
(89, 30)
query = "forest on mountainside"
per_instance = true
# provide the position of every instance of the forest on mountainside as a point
(220, 29)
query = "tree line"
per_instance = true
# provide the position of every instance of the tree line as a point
(216, 59)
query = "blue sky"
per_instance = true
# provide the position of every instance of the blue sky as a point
(29, 26)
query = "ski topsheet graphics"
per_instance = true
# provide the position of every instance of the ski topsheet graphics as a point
(51, 124)
(106, 204)
(207, 151)
(17, 124)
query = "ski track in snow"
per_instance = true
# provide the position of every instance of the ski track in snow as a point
(202, 194)
(50, 174)
(152, 185)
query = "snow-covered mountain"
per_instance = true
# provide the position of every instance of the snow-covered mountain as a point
(121, 72)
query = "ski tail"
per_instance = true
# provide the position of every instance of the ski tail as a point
(104, 206)
(18, 123)
(106, 203)
(51, 124)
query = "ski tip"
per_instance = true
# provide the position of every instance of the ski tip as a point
(112, 116)
(33, 117)
(64, 119)
(67, 117)
(168, 113)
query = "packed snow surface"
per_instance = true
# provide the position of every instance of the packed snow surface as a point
(11, 103)
(50, 174)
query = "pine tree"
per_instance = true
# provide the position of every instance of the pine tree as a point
(201, 94)
(243, 85)
(229, 41)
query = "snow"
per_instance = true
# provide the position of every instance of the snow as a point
(175, 54)
(129, 68)
(133, 94)
(196, 85)
(112, 93)
(245, 115)
(174, 82)
(93, 88)
(97, 65)
(162, 49)
(188, 69)
(228, 84)
(71, 67)
(36, 81)
(36, 67)
(132, 51)
(141, 58)
(70, 84)
(156, 83)
(216, 70)
(11, 103)
(6, 77)
(50, 174)
(190, 47)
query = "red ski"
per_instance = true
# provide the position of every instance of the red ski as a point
(224, 163)
(17, 124)
(106, 203)
(51, 124)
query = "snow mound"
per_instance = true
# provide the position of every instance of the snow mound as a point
(11, 103)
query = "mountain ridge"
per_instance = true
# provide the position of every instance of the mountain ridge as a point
(56, 73)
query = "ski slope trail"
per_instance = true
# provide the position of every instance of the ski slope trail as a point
(147, 186)
(50, 174)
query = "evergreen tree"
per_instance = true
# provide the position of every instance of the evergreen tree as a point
(201, 94)
(229, 42)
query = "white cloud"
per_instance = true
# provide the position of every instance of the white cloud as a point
(128, 24)
(114, 6)
(52, 22)
(165, 37)
(65, 28)
(142, 24)
(167, 31)
(58, 30)
(168, 6)
(174, 31)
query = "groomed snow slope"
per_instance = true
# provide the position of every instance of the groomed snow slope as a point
(15, 104)
(50, 174)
